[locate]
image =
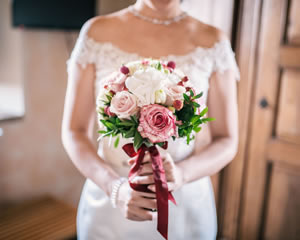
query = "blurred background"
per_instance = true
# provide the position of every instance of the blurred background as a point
(258, 194)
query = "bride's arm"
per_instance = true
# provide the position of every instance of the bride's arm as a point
(77, 127)
(222, 105)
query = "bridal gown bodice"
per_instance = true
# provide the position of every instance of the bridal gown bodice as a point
(194, 217)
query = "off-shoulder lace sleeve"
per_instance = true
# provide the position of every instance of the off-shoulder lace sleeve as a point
(224, 58)
(84, 52)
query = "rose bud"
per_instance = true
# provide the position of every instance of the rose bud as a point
(112, 92)
(177, 104)
(171, 64)
(108, 112)
(124, 70)
(180, 83)
(185, 79)
(190, 88)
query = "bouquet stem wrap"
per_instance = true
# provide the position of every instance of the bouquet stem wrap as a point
(161, 186)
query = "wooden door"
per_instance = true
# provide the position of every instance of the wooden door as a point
(271, 198)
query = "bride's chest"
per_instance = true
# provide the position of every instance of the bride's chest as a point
(197, 65)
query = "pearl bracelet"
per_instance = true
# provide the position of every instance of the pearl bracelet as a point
(115, 189)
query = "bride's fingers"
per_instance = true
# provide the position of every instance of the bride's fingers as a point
(143, 179)
(171, 187)
(146, 169)
(146, 194)
(146, 159)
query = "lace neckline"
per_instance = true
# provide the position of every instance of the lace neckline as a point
(195, 51)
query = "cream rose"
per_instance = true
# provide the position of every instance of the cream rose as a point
(123, 104)
(160, 96)
(144, 83)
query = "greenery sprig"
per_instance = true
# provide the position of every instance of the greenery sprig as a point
(187, 115)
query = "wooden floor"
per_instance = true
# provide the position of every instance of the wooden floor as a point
(43, 219)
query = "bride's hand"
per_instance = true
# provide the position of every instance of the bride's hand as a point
(136, 205)
(173, 173)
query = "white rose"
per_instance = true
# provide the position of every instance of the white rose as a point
(144, 83)
(160, 96)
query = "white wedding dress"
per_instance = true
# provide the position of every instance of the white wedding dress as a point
(194, 217)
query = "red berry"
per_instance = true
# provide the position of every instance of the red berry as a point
(171, 64)
(108, 112)
(177, 104)
(185, 79)
(124, 70)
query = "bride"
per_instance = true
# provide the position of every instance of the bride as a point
(109, 209)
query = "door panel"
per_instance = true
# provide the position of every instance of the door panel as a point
(283, 204)
(271, 197)
(288, 127)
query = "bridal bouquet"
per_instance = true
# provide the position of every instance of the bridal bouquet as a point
(150, 101)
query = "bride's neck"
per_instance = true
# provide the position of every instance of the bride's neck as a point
(158, 9)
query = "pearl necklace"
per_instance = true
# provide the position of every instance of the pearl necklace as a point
(155, 20)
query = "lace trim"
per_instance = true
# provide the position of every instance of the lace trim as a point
(88, 51)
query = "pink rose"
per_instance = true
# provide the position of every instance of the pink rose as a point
(174, 93)
(115, 82)
(157, 123)
(123, 104)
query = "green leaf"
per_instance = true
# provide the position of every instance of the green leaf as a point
(102, 131)
(134, 119)
(160, 144)
(186, 98)
(109, 125)
(186, 113)
(117, 142)
(158, 66)
(197, 129)
(208, 119)
(191, 93)
(203, 112)
(198, 95)
(197, 105)
(148, 143)
(109, 97)
(138, 141)
(195, 118)
(126, 123)
(199, 121)
(130, 133)
(188, 139)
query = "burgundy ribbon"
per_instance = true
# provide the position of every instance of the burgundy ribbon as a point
(161, 186)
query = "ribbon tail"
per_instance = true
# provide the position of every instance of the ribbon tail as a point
(171, 198)
(162, 192)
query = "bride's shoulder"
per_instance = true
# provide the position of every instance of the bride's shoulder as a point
(206, 35)
(100, 27)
